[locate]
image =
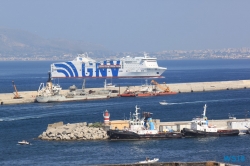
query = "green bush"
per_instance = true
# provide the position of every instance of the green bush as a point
(96, 125)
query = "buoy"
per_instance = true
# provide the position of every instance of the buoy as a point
(106, 116)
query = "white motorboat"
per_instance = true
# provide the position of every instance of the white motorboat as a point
(149, 161)
(163, 102)
(23, 142)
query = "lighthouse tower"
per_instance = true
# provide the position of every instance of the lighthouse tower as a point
(106, 116)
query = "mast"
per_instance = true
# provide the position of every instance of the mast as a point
(105, 84)
(204, 111)
(83, 84)
(136, 113)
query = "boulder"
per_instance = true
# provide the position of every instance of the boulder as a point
(64, 133)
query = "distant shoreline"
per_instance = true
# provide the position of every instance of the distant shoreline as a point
(9, 60)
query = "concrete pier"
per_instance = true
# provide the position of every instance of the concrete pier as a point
(29, 96)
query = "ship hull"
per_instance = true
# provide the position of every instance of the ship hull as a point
(127, 95)
(196, 133)
(155, 94)
(165, 93)
(61, 98)
(128, 135)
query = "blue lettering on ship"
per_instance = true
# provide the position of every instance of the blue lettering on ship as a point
(102, 71)
(115, 70)
(89, 70)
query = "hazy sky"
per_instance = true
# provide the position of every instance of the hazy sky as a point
(135, 25)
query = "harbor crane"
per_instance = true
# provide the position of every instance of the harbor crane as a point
(164, 89)
(16, 95)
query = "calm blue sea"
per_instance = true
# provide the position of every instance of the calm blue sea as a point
(27, 121)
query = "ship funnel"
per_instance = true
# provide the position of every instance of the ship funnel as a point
(49, 79)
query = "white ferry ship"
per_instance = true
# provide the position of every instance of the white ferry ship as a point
(127, 67)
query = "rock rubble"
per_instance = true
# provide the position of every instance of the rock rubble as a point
(75, 131)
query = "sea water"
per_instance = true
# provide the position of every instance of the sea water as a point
(27, 121)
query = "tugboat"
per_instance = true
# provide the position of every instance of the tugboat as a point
(200, 128)
(141, 129)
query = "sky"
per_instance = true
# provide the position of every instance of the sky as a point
(134, 25)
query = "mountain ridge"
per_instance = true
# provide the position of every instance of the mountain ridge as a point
(14, 42)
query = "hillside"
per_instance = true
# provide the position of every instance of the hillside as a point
(17, 44)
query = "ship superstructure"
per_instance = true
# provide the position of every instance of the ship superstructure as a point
(141, 128)
(83, 66)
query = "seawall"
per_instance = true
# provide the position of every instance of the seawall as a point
(29, 96)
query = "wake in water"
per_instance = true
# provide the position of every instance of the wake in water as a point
(58, 109)
(208, 101)
(51, 109)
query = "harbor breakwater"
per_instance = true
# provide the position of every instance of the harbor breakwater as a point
(76, 131)
(96, 131)
(29, 96)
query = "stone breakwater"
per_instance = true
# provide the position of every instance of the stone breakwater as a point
(75, 131)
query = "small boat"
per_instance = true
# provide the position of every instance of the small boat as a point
(149, 161)
(23, 142)
(163, 102)
(200, 128)
(128, 93)
(108, 85)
